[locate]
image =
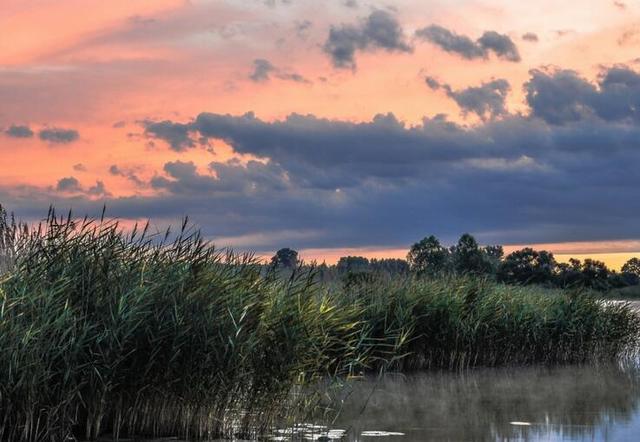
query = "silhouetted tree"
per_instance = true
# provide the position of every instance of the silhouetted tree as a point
(325, 272)
(632, 266)
(494, 252)
(355, 271)
(428, 257)
(468, 257)
(629, 275)
(595, 274)
(620, 280)
(575, 264)
(568, 275)
(391, 266)
(352, 264)
(285, 257)
(493, 255)
(527, 266)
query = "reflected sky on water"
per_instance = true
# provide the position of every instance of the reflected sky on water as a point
(523, 404)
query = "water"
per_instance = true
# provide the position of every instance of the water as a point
(524, 404)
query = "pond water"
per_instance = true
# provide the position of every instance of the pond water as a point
(526, 404)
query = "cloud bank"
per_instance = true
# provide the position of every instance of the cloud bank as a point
(58, 135)
(380, 30)
(539, 177)
(486, 101)
(489, 42)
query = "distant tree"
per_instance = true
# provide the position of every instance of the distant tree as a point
(629, 279)
(575, 264)
(527, 266)
(357, 279)
(493, 255)
(595, 274)
(390, 266)
(494, 252)
(286, 257)
(324, 272)
(620, 280)
(569, 274)
(428, 256)
(632, 266)
(355, 271)
(468, 257)
(630, 274)
(352, 264)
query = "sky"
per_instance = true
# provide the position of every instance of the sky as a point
(333, 127)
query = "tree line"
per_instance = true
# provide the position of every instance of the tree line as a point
(430, 259)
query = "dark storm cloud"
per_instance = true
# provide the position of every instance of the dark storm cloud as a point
(175, 134)
(292, 76)
(129, 174)
(252, 176)
(530, 36)
(52, 135)
(72, 185)
(261, 70)
(58, 135)
(380, 30)
(451, 42)
(513, 181)
(68, 184)
(500, 44)
(324, 154)
(183, 178)
(563, 96)
(264, 69)
(331, 183)
(486, 101)
(327, 153)
(18, 131)
(490, 41)
(98, 189)
(432, 83)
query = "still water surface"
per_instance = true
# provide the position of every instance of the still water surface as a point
(525, 404)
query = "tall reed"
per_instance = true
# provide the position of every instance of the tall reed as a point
(461, 322)
(140, 334)
(109, 332)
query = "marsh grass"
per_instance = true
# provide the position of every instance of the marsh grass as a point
(139, 334)
(107, 332)
(457, 323)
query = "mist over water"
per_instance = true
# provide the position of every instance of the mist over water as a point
(575, 403)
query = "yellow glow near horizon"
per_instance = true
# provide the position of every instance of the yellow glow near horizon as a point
(613, 260)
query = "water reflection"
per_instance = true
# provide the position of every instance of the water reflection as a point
(527, 404)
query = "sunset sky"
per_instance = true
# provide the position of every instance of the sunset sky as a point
(333, 127)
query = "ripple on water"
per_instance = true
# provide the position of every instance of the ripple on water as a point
(309, 432)
(381, 433)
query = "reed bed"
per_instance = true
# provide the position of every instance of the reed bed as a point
(107, 332)
(137, 334)
(462, 322)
